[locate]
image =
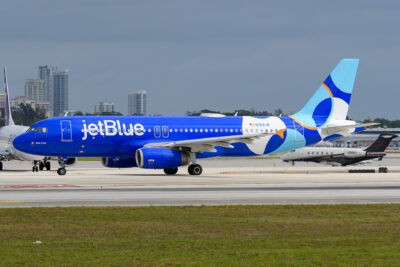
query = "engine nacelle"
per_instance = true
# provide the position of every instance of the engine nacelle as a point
(161, 158)
(118, 162)
(355, 153)
(70, 161)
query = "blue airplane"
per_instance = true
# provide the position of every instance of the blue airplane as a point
(170, 142)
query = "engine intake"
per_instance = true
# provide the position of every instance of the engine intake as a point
(118, 162)
(161, 158)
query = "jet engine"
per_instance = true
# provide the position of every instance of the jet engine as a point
(70, 161)
(356, 153)
(118, 162)
(161, 158)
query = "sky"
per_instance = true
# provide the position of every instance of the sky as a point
(192, 55)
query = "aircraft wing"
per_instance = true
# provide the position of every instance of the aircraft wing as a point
(335, 129)
(208, 144)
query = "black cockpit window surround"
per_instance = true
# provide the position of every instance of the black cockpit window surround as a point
(37, 130)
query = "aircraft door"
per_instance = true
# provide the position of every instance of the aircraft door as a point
(298, 133)
(157, 132)
(165, 131)
(66, 131)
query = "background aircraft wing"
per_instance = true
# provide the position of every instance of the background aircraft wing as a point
(208, 144)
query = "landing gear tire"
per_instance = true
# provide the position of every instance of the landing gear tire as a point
(61, 171)
(1, 166)
(41, 166)
(35, 169)
(195, 169)
(171, 171)
(47, 165)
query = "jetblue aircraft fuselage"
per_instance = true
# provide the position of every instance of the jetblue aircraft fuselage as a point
(169, 142)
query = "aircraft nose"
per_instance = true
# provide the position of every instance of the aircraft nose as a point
(21, 142)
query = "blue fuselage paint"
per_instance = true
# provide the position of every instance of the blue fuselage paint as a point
(105, 136)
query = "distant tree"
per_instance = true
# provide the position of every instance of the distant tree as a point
(25, 115)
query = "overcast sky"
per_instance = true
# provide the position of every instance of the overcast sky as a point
(221, 55)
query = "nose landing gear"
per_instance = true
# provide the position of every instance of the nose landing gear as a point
(61, 170)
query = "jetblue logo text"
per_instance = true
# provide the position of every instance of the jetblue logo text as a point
(111, 128)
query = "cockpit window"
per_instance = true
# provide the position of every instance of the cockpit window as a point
(37, 130)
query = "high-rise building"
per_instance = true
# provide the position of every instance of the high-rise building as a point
(45, 74)
(55, 88)
(104, 107)
(60, 92)
(34, 89)
(137, 103)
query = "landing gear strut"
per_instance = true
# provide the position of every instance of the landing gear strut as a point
(61, 170)
(1, 166)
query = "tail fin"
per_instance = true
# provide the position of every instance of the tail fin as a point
(381, 143)
(9, 119)
(332, 99)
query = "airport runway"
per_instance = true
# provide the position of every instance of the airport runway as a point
(238, 181)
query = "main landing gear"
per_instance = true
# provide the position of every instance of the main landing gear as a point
(1, 166)
(171, 171)
(41, 165)
(61, 170)
(195, 169)
(35, 167)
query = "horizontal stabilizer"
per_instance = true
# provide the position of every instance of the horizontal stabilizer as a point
(336, 129)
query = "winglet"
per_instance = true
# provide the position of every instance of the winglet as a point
(9, 119)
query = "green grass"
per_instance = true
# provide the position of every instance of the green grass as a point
(327, 235)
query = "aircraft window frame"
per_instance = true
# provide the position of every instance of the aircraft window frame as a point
(196, 130)
(211, 130)
(38, 130)
(206, 130)
(231, 130)
(186, 130)
(31, 129)
(241, 130)
(216, 130)
(176, 130)
(44, 130)
(181, 130)
(201, 130)
(191, 130)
